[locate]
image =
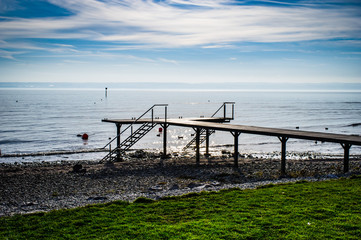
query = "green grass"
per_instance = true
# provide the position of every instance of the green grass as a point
(320, 210)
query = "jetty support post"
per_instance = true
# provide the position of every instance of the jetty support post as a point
(346, 156)
(198, 137)
(118, 140)
(236, 153)
(207, 142)
(164, 126)
(283, 155)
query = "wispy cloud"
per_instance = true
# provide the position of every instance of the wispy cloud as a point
(181, 23)
(9, 54)
(169, 61)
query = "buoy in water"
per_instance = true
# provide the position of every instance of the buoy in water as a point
(85, 136)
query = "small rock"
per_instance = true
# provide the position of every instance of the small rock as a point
(174, 187)
(78, 168)
(156, 188)
(194, 185)
(226, 152)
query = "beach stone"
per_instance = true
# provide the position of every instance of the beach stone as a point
(225, 152)
(156, 188)
(174, 187)
(78, 168)
(194, 185)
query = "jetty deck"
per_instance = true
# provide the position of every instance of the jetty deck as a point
(222, 124)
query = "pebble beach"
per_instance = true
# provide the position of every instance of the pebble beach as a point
(33, 187)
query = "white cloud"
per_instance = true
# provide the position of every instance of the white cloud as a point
(205, 23)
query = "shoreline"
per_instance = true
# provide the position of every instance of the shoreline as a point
(60, 156)
(34, 187)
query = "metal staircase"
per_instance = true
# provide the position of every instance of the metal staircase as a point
(134, 136)
(202, 138)
(203, 132)
(130, 140)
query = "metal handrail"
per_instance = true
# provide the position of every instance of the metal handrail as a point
(136, 120)
(223, 105)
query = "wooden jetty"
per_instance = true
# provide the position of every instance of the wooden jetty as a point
(208, 125)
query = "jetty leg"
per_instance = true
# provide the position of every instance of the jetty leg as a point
(235, 155)
(283, 155)
(198, 133)
(118, 141)
(165, 126)
(207, 142)
(346, 156)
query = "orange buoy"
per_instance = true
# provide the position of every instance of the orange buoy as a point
(160, 130)
(85, 136)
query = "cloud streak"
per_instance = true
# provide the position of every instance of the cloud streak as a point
(181, 23)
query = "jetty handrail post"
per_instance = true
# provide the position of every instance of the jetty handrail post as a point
(224, 110)
(136, 120)
(131, 133)
(152, 116)
(232, 111)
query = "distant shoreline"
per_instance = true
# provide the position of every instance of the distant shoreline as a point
(161, 86)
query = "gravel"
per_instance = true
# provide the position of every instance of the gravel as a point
(34, 187)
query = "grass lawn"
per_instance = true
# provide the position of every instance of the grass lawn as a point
(303, 210)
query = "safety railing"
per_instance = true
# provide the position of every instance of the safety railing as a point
(224, 106)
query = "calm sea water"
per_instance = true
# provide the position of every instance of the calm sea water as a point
(49, 120)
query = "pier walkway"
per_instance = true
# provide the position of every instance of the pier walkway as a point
(218, 124)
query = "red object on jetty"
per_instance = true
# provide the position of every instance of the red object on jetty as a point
(85, 136)
(160, 130)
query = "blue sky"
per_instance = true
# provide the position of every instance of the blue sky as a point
(180, 41)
